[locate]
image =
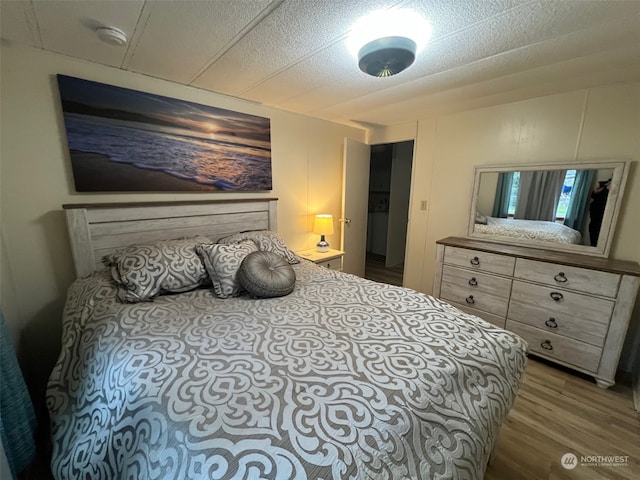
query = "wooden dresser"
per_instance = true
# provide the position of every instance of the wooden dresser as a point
(571, 309)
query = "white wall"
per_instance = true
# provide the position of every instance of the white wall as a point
(595, 124)
(37, 179)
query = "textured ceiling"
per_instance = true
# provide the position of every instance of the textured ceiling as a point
(291, 54)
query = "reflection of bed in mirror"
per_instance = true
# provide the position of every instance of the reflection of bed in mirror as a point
(529, 230)
(569, 207)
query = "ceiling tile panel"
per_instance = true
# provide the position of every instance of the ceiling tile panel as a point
(447, 17)
(289, 34)
(328, 65)
(529, 24)
(181, 38)
(602, 38)
(482, 40)
(69, 27)
(18, 24)
(578, 73)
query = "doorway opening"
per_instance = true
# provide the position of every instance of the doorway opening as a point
(388, 215)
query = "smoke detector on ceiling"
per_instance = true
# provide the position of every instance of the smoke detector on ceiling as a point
(386, 42)
(112, 36)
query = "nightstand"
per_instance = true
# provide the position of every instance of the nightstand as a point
(331, 259)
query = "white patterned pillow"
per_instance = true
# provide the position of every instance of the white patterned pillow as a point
(266, 241)
(222, 263)
(144, 271)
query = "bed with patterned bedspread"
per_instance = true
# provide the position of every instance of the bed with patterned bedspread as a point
(342, 379)
(529, 230)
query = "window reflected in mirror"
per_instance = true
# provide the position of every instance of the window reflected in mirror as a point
(552, 207)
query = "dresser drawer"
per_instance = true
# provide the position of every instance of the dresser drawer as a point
(558, 347)
(581, 279)
(536, 303)
(488, 293)
(572, 327)
(480, 261)
(559, 323)
(475, 282)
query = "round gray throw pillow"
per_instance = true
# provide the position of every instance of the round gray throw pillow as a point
(266, 274)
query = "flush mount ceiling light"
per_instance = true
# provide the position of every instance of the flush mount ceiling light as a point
(112, 36)
(386, 42)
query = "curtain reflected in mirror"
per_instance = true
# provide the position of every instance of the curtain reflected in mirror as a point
(503, 195)
(554, 205)
(539, 195)
(580, 198)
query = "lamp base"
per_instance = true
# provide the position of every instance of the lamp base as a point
(322, 246)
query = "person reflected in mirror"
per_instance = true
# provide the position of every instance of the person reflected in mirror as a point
(596, 209)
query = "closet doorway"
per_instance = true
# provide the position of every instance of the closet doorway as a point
(388, 211)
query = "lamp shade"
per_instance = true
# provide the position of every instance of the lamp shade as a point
(323, 225)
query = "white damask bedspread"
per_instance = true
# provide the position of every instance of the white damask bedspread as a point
(529, 229)
(343, 379)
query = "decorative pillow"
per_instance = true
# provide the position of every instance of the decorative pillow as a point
(266, 240)
(481, 218)
(222, 263)
(144, 271)
(267, 274)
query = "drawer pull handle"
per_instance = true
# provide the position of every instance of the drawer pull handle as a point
(470, 300)
(557, 296)
(560, 278)
(551, 323)
(475, 261)
(547, 345)
(473, 282)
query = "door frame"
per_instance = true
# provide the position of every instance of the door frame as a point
(399, 137)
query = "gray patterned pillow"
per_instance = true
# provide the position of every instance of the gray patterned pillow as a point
(266, 275)
(222, 263)
(266, 240)
(144, 271)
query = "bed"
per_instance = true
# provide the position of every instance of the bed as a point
(529, 229)
(343, 378)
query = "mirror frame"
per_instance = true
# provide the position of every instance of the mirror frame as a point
(612, 209)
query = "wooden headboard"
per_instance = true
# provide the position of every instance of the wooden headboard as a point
(98, 229)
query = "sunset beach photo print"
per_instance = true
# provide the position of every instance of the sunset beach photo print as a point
(125, 140)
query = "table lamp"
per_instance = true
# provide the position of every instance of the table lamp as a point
(323, 225)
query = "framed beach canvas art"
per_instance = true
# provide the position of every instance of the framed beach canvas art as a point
(126, 140)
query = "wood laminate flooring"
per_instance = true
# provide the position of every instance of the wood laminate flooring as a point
(376, 270)
(557, 412)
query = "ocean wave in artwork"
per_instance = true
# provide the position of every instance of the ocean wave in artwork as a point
(224, 162)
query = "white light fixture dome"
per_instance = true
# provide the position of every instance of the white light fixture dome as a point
(385, 42)
(112, 36)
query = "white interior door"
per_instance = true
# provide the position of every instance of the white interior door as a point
(355, 205)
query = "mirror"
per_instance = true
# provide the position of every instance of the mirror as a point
(566, 207)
